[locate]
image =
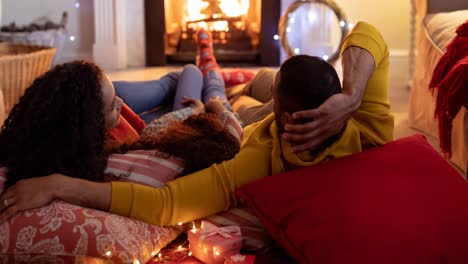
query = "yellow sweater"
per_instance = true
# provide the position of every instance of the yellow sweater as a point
(211, 190)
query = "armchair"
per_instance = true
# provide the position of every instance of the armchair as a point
(435, 23)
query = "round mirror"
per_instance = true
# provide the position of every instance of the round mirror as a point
(314, 27)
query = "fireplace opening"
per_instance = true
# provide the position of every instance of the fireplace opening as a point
(243, 31)
(234, 26)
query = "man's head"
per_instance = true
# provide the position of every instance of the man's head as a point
(303, 82)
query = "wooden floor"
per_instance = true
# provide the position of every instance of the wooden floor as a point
(398, 91)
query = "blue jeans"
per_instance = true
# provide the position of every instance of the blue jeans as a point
(145, 96)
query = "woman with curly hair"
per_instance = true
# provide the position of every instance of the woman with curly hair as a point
(60, 124)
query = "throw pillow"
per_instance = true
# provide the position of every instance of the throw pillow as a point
(398, 203)
(236, 76)
(61, 229)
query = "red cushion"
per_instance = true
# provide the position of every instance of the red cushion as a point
(399, 203)
(236, 76)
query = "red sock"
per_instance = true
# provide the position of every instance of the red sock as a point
(206, 59)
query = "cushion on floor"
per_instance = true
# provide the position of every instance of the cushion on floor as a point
(399, 203)
(65, 230)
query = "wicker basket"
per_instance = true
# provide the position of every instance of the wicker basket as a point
(54, 38)
(19, 66)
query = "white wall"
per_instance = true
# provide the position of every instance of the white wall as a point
(80, 24)
(136, 55)
(390, 17)
(80, 21)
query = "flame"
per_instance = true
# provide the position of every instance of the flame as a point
(194, 8)
(234, 8)
(230, 8)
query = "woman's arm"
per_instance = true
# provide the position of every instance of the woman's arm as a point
(40, 191)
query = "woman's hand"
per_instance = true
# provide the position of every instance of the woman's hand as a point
(196, 104)
(215, 105)
(37, 192)
(28, 194)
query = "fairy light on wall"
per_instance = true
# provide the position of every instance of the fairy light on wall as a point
(77, 5)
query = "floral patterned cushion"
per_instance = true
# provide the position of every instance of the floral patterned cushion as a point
(62, 230)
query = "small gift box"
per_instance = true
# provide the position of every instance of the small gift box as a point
(240, 259)
(212, 244)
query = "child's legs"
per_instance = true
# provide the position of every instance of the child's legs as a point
(190, 84)
(146, 95)
(213, 87)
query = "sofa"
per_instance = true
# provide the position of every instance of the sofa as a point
(434, 23)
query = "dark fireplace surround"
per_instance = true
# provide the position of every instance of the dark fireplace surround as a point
(155, 31)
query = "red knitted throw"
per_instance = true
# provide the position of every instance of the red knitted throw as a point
(450, 78)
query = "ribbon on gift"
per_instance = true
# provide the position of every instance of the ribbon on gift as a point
(226, 232)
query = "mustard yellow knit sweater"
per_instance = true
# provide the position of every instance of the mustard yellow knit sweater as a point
(212, 190)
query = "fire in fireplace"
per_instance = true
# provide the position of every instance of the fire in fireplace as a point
(234, 25)
(243, 30)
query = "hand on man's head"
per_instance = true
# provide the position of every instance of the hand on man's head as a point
(325, 121)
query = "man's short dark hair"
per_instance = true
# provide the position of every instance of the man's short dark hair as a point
(305, 83)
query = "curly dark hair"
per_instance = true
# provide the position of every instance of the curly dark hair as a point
(57, 126)
(200, 140)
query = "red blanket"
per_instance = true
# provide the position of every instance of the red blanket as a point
(450, 79)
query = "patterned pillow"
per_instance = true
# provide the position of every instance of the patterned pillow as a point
(140, 166)
(62, 230)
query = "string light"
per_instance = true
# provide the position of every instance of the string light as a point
(109, 253)
(136, 261)
(72, 38)
(179, 224)
(189, 254)
(342, 23)
(325, 57)
(350, 26)
(297, 51)
(276, 37)
(77, 5)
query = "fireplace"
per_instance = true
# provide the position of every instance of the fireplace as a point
(243, 30)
